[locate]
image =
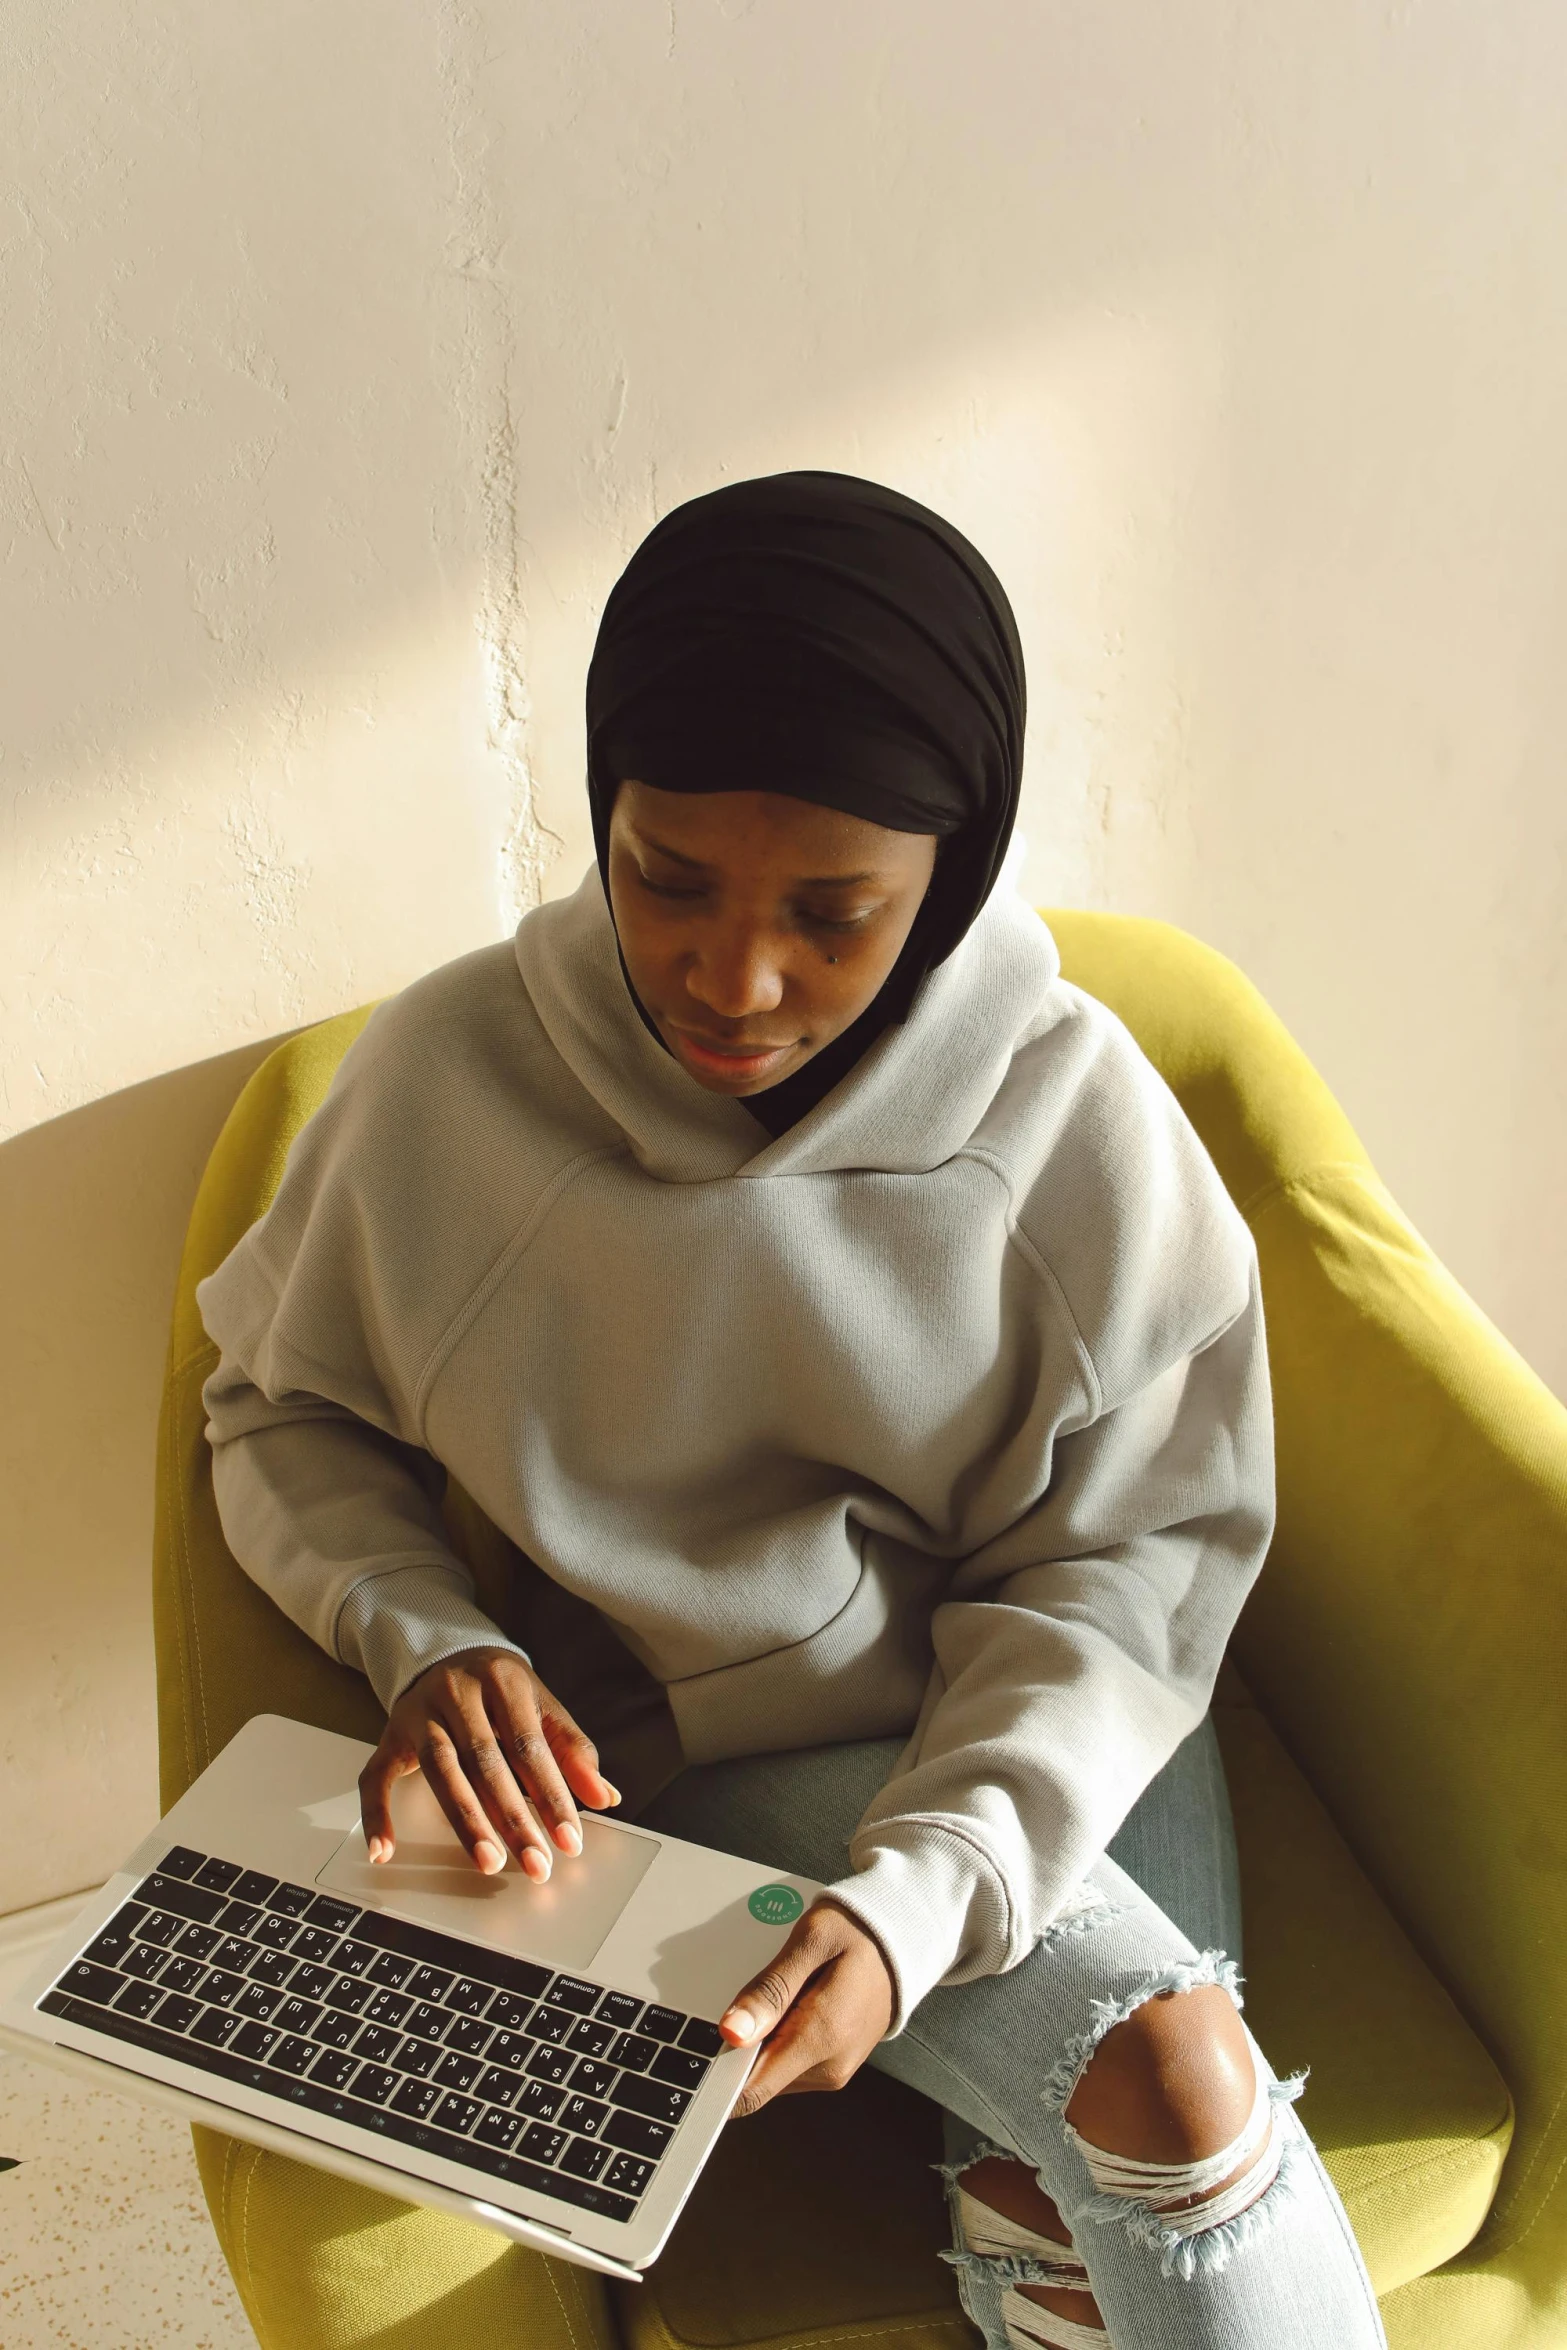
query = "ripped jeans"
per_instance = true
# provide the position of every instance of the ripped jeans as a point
(1002, 2057)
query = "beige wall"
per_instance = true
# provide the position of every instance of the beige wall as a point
(348, 354)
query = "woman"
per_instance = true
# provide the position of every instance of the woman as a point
(833, 1304)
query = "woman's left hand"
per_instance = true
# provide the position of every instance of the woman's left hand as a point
(821, 2007)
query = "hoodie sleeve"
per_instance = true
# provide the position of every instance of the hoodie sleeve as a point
(1079, 1644)
(326, 1495)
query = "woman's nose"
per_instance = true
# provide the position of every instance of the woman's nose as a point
(736, 975)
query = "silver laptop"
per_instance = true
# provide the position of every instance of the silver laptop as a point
(542, 2058)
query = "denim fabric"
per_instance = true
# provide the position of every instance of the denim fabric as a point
(1001, 2056)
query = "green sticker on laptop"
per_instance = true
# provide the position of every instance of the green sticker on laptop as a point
(775, 1905)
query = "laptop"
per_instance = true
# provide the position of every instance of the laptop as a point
(544, 2059)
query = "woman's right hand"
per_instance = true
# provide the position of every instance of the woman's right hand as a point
(502, 1756)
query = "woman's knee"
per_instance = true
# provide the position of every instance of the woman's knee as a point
(1166, 2092)
(1174, 2083)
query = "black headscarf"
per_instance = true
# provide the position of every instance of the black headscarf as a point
(819, 635)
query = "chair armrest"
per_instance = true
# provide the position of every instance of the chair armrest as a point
(1407, 1635)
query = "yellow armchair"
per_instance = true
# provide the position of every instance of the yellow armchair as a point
(1394, 1737)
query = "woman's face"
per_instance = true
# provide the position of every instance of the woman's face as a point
(756, 927)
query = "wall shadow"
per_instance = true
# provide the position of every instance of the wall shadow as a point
(93, 1209)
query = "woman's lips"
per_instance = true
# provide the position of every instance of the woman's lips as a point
(729, 1060)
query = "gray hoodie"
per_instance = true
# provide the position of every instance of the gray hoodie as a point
(946, 1413)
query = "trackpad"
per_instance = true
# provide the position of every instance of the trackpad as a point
(431, 1880)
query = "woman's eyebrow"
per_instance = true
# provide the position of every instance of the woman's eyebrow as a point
(805, 881)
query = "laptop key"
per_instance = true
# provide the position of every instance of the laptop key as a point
(184, 1901)
(541, 2142)
(334, 2067)
(662, 2023)
(255, 2040)
(415, 2098)
(290, 1901)
(297, 2015)
(273, 1930)
(217, 1875)
(634, 2134)
(620, 2009)
(638, 2094)
(251, 1885)
(219, 1988)
(570, 1991)
(136, 1998)
(705, 2038)
(469, 2034)
(507, 2010)
(378, 2044)
(456, 2072)
(160, 1927)
(585, 2115)
(180, 1861)
(595, 2080)
(215, 2026)
(549, 2064)
(333, 2028)
(583, 2159)
(112, 1941)
(177, 2014)
(86, 1981)
(426, 1982)
(633, 2050)
(340, 1916)
(350, 1994)
(293, 2055)
(259, 2002)
(470, 1997)
(590, 2038)
(376, 2082)
(457, 2113)
(498, 2128)
(548, 2023)
(679, 2067)
(496, 2087)
(388, 2007)
(419, 2057)
(628, 2174)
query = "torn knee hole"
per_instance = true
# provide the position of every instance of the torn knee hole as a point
(1194, 2196)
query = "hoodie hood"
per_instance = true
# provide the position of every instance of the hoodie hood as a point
(916, 1096)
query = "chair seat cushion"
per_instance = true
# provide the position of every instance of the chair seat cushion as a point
(821, 2218)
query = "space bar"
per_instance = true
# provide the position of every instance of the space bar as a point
(316, 2099)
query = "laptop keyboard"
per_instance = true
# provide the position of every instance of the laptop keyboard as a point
(546, 2080)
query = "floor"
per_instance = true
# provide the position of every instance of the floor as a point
(105, 2242)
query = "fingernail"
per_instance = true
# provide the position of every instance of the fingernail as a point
(737, 2021)
(536, 1863)
(489, 1857)
(568, 1838)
